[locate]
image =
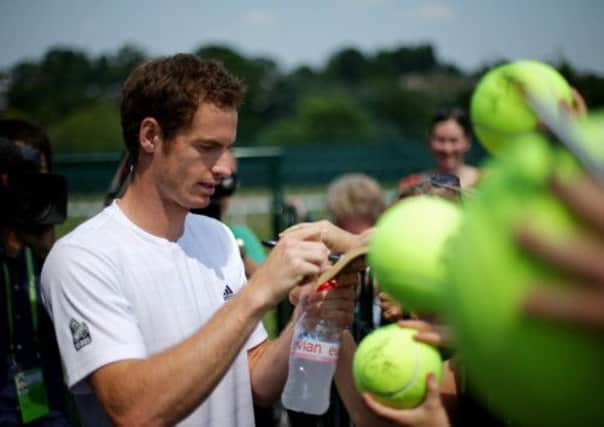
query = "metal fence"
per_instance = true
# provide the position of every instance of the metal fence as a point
(296, 165)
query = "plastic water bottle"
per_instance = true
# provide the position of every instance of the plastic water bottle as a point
(312, 363)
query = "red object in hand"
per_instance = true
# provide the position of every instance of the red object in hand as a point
(330, 284)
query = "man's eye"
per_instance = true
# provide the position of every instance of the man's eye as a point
(206, 147)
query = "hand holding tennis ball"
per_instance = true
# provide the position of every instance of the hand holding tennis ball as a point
(499, 110)
(532, 371)
(392, 366)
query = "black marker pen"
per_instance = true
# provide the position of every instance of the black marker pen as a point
(271, 244)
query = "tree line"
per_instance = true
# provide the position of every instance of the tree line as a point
(388, 95)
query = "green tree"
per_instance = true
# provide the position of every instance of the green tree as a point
(66, 80)
(261, 77)
(52, 88)
(320, 119)
(404, 59)
(348, 65)
(93, 129)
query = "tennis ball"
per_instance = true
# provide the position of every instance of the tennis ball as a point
(535, 372)
(392, 366)
(499, 112)
(405, 250)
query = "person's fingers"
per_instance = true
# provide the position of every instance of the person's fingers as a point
(301, 293)
(432, 338)
(432, 390)
(305, 232)
(337, 239)
(576, 305)
(294, 295)
(401, 417)
(418, 325)
(295, 227)
(315, 230)
(384, 297)
(578, 106)
(347, 279)
(313, 252)
(393, 314)
(582, 256)
(436, 335)
(583, 197)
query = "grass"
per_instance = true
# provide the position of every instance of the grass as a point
(69, 224)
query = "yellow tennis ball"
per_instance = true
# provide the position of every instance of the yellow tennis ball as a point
(392, 366)
(536, 372)
(405, 251)
(499, 111)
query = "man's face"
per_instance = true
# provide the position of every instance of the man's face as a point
(189, 166)
(449, 144)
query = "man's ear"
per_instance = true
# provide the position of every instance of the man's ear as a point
(149, 135)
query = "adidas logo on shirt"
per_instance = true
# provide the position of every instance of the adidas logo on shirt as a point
(228, 293)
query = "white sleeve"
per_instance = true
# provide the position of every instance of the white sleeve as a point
(93, 321)
(259, 334)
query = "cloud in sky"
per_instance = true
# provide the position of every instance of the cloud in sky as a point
(296, 33)
(259, 17)
(434, 12)
(373, 3)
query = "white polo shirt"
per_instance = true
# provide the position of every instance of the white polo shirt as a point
(116, 292)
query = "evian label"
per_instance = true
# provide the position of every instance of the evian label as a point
(308, 347)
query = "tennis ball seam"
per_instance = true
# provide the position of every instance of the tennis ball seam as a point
(410, 382)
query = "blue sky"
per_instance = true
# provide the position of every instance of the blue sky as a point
(465, 32)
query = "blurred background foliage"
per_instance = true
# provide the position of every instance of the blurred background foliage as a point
(386, 96)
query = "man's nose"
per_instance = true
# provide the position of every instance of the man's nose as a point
(223, 166)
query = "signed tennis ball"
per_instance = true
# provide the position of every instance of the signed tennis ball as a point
(405, 251)
(392, 366)
(528, 370)
(499, 111)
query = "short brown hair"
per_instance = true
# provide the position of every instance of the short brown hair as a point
(355, 195)
(170, 90)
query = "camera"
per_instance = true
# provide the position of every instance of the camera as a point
(29, 198)
(225, 188)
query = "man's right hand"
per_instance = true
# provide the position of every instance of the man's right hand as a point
(297, 259)
(336, 239)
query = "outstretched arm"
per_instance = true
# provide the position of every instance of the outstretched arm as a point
(580, 301)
